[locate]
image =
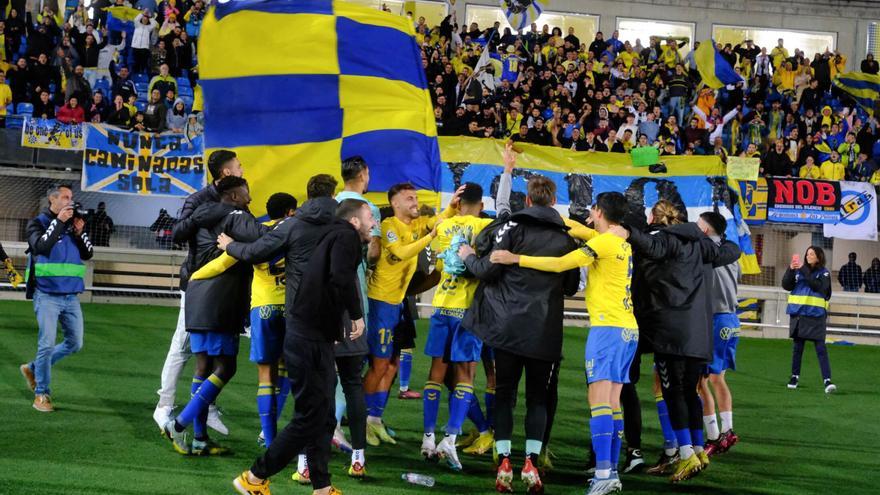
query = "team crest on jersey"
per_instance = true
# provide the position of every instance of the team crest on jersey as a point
(728, 333)
(391, 236)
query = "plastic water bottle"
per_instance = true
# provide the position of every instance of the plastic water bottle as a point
(418, 479)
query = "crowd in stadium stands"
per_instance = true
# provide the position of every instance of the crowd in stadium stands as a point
(542, 87)
(607, 94)
(86, 69)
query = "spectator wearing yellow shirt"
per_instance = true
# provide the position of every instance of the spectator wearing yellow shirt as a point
(809, 170)
(5, 98)
(849, 150)
(778, 54)
(833, 169)
(628, 55)
(875, 178)
(837, 64)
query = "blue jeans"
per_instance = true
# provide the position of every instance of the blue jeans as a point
(676, 107)
(50, 310)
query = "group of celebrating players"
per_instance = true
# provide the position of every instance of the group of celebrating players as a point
(309, 278)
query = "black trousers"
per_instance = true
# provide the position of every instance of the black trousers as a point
(310, 366)
(141, 60)
(679, 377)
(508, 371)
(350, 369)
(821, 353)
(632, 407)
(552, 402)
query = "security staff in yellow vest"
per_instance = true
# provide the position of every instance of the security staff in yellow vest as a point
(810, 286)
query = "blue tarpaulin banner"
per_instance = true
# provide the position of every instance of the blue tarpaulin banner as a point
(130, 162)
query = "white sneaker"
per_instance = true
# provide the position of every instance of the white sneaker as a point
(446, 450)
(339, 441)
(162, 414)
(830, 388)
(429, 447)
(214, 421)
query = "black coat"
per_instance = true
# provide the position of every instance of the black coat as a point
(671, 296)
(808, 327)
(222, 303)
(516, 309)
(298, 237)
(184, 230)
(333, 288)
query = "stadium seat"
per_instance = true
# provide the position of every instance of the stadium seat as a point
(103, 85)
(10, 109)
(141, 105)
(185, 91)
(142, 87)
(183, 82)
(140, 78)
(187, 101)
(25, 109)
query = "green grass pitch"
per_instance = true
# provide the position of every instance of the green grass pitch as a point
(103, 439)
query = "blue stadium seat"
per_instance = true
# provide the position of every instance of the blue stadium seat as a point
(187, 101)
(142, 87)
(52, 88)
(103, 85)
(10, 109)
(183, 82)
(25, 109)
(140, 78)
(185, 91)
(141, 105)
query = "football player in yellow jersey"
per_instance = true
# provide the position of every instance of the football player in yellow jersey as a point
(614, 335)
(404, 236)
(448, 342)
(267, 327)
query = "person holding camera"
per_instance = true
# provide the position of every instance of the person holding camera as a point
(57, 247)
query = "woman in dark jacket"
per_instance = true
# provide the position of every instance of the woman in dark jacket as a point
(810, 286)
(672, 305)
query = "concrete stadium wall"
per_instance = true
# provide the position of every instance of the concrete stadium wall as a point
(849, 19)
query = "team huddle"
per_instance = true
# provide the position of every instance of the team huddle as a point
(324, 287)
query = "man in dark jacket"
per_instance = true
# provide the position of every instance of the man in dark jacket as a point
(216, 314)
(776, 162)
(221, 163)
(57, 247)
(518, 312)
(672, 303)
(321, 253)
(850, 275)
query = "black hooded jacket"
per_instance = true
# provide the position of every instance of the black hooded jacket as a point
(185, 228)
(519, 310)
(221, 303)
(316, 313)
(670, 286)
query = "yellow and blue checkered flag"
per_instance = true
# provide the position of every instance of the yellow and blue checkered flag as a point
(521, 13)
(295, 86)
(862, 87)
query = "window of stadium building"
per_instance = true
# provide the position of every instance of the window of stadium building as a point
(585, 25)
(643, 29)
(432, 11)
(811, 42)
(873, 38)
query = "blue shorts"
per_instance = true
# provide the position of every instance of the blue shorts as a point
(214, 343)
(726, 336)
(267, 333)
(449, 340)
(609, 353)
(381, 322)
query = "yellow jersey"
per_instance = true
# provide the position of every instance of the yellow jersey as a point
(833, 170)
(401, 245)
(610, 267)
(267, 288)
(455, 291)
